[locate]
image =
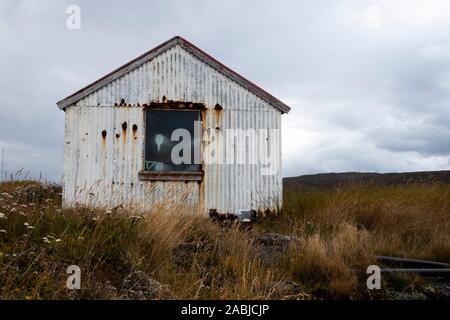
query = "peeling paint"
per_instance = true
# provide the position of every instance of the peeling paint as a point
(110, 168)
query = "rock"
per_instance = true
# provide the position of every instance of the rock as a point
(414, 295)
(274, 240)
(139, 286)
(437, 290)
(284, 290)
(183, 255)
(269, 245)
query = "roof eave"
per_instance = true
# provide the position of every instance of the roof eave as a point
(117, 73)
(149, 55)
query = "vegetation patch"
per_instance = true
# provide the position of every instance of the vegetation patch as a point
(318, 247)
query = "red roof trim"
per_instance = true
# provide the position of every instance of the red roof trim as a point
(200, 54)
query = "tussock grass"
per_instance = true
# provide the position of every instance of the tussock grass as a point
(342, 231)
(338, 234)
(196, 258)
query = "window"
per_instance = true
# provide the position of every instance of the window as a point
(164, 157)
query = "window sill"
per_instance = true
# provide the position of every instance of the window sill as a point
(170, 176)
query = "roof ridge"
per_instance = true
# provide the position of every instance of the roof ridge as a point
(149, 55)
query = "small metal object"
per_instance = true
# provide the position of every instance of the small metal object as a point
(437, 272)
(246, 216)
(412, 263)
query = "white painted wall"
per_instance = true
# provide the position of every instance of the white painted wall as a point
(105, 173)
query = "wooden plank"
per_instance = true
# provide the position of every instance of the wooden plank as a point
(170, 176)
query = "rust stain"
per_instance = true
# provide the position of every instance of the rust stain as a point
(134, 138)
(134, 129)
(124, 132)
(201, 194)
(103, 148)
(202, 182)
(104, 137)
(218, 117)
(170, 104)
(203, 115)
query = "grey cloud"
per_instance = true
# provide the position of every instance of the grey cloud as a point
(426, 140)
(368, 100)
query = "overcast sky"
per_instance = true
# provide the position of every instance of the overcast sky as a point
(368, 81)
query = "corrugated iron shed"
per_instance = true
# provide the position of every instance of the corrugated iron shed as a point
(103, 158)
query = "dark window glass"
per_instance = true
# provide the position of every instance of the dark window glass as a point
(158, 145)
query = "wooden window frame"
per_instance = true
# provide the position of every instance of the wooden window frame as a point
(171, 175)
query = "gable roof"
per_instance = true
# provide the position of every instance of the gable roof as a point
(149, 55)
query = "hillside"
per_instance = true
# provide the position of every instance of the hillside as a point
(332, 180)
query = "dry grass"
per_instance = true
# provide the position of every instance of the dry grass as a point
(339, 234)
(341, 231)
(195, 257)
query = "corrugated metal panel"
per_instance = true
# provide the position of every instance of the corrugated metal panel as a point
(104, 171)
(155, 53)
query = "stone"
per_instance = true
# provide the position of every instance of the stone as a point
(139, 286)
(274, 240)
(284, 290)
(414, 295)
(269, 246)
